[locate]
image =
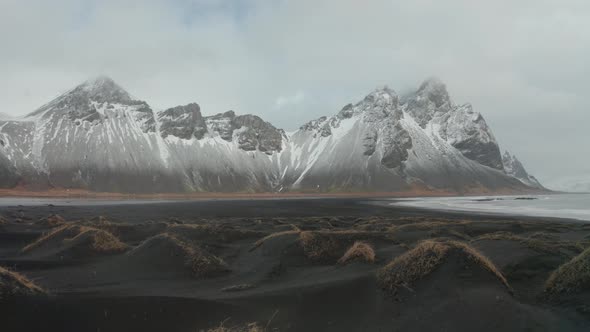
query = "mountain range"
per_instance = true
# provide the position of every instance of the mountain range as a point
(97, 137)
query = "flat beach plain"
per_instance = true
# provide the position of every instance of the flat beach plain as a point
(296, 264)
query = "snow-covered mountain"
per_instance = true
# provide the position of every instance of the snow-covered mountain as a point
(514, 167)
(98, 137)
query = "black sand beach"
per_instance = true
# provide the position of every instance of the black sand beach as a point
(341, 264)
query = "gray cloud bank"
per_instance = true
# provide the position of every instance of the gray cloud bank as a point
(523, 64)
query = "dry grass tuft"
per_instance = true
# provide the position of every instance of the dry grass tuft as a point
(423, 259)
(200, 262)
(500, 236)
(104, 221)
(322, 239)
(570, 277)
(481, 260)
(204, 264)
(412, 265)
(211, 232)
(15, 284)
(318, 246)
(100, 241)
(273, 235)
(52, 220)
(105, 242)
(250, 327)
(359, 250)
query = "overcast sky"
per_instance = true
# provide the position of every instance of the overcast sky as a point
(523, 64)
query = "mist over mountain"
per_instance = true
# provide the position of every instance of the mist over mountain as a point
(97, 137)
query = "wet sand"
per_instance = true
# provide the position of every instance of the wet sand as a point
(193, 265)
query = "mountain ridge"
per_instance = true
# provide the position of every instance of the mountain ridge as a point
(96, 136)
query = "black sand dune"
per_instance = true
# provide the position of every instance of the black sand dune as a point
(291, 265)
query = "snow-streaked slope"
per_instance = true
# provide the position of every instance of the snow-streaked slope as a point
(514, 167)
(97, 136)
(381, 143)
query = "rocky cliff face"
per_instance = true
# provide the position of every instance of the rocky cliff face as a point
(385, 142)
(98, 137)
(514, 168)
(183, 122)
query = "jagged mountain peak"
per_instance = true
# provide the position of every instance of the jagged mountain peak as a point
(382, 93)
(102, 89)
(512, 165)
(96, 136)
(435, 90)
(382, 99)
(507, 156)
(182, 121)
(514, 168)
(430, 100)
(99, 80)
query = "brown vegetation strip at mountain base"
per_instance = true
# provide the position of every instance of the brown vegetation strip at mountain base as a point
(87, 194)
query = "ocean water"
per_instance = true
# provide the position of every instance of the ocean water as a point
(572, 206)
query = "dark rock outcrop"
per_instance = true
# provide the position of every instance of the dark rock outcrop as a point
(183, 122)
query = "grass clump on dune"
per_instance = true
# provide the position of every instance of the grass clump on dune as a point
(105, 242)
(216, 232)
(570, 277)
(15, 284)
(318, 246)
(323, 245)
(52, 220)
(294, 231)
(423, 259)
(197, 260)
(481, 260)
(98, 241)
(204, 264)
(413, 265)
(359, 250)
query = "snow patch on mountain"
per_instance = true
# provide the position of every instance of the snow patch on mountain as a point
(97, 136)
(513, 167)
